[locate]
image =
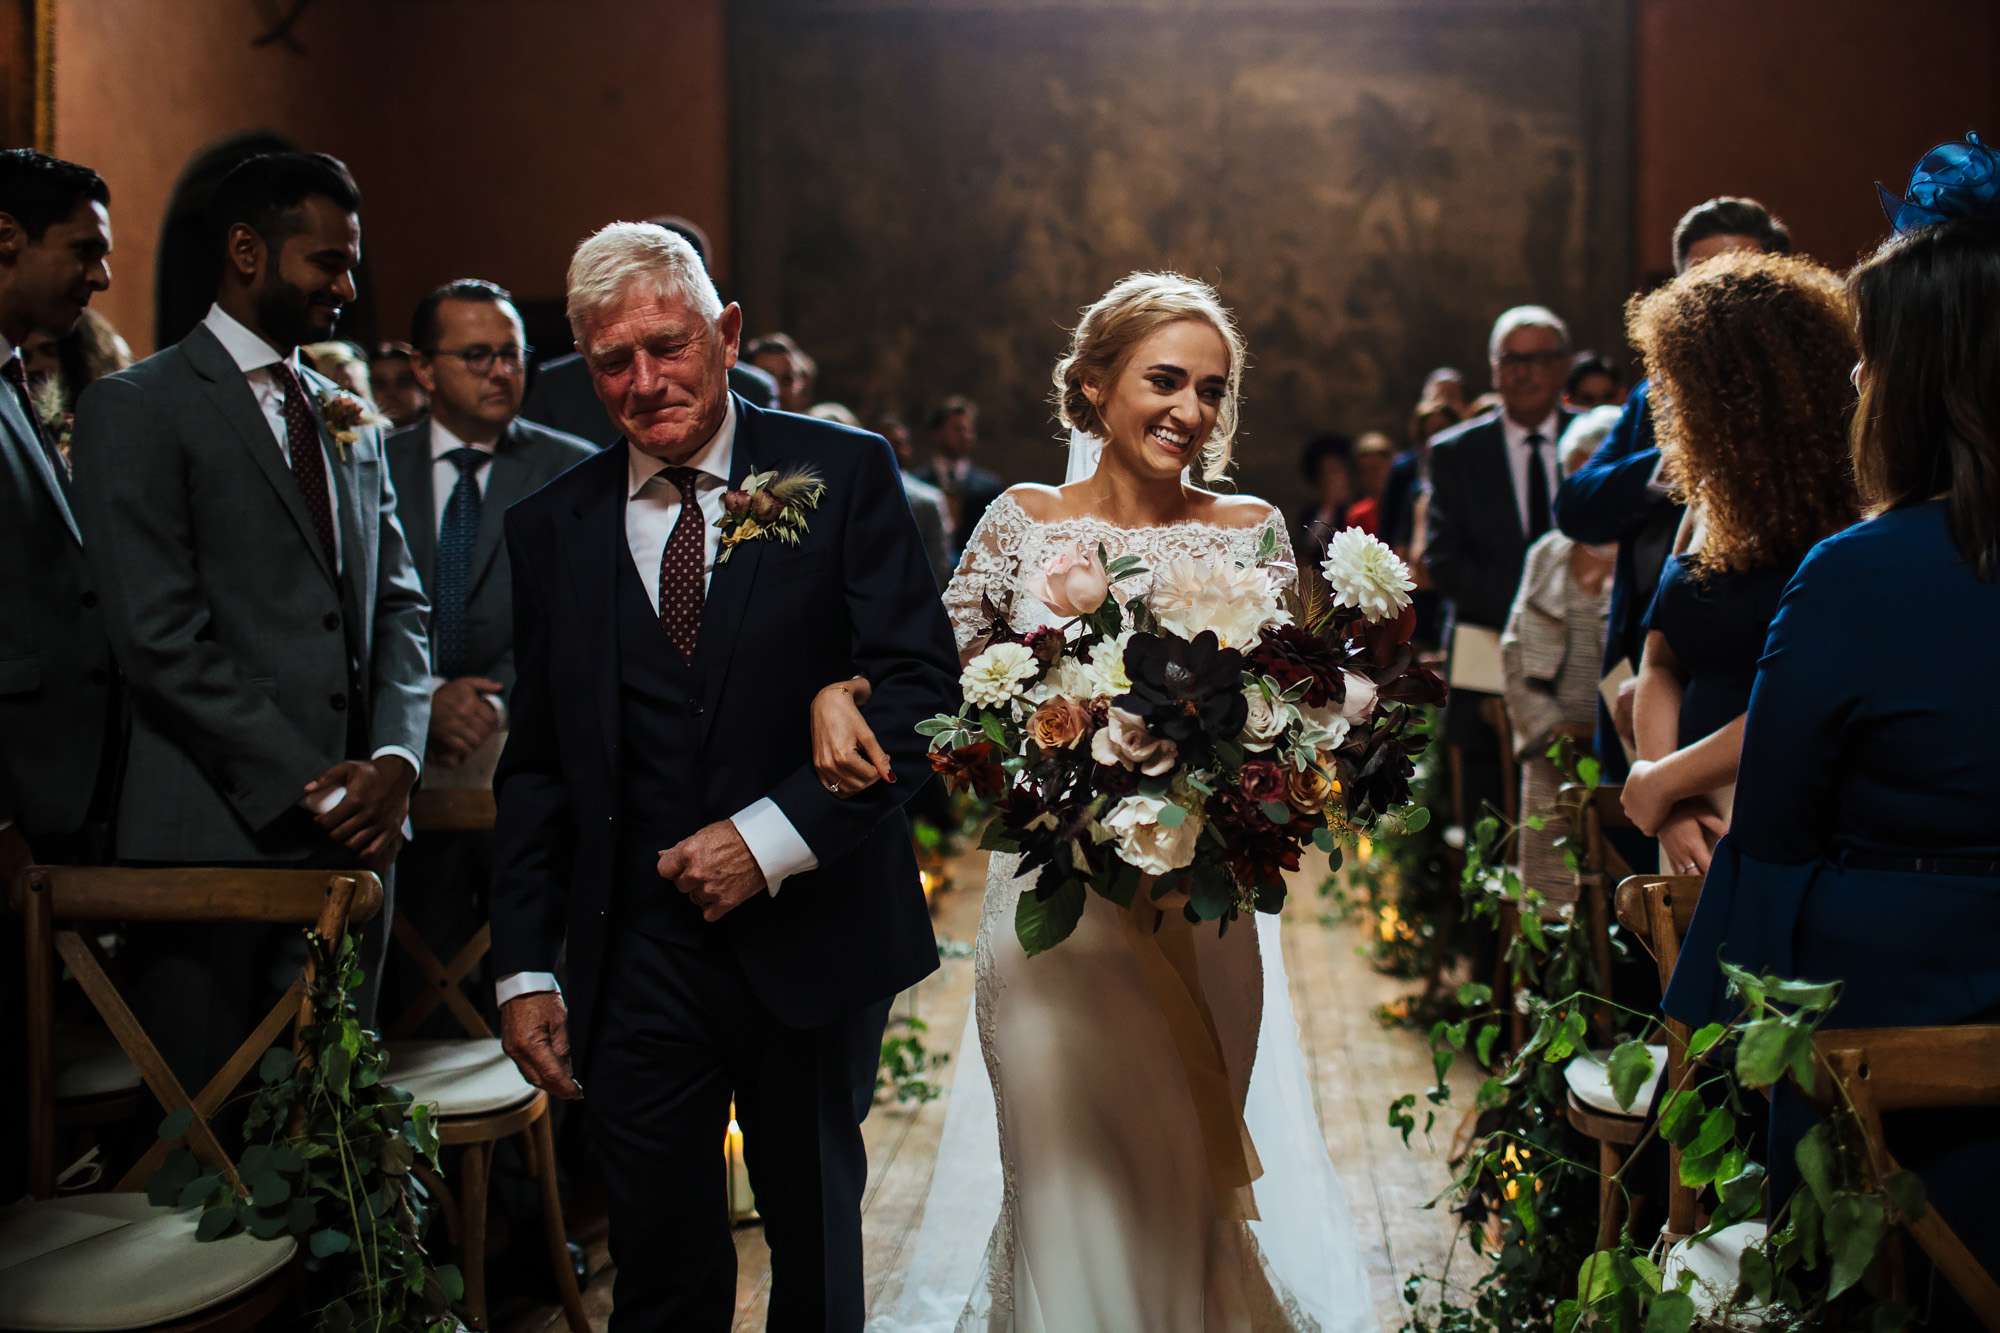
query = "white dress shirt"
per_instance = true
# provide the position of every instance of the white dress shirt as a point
(652, 507)
(1518, 456)
(258, 361)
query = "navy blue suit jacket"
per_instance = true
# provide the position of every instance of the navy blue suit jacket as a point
(1610, 499)
(779, 622)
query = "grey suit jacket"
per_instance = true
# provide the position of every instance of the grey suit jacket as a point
(529, 458)
(250, 667)
(56, 678)
(927, 506)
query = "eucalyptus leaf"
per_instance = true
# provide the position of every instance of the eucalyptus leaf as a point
(328, 1242)
(1171, 816)
(1417, 819)
(176, 1123)
(1277, 812)
(197, 1191)
(215, 1224)
(1323, 838)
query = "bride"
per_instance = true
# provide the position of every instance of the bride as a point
(1098, 1214)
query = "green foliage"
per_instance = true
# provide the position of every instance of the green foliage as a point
(907, 1064)
(330, 1155)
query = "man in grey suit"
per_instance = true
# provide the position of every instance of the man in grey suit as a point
(457, 472)
(256, 585)
(57, 692)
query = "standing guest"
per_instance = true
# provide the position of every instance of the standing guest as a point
(1592, 382)
(1492, 480)
(1549, 651)
(1753, 351)
(1374, 456)
(1326, 468)
(926, 501)
(456, 473)
(795, 373)
(1446, 385)
(258, 594)
(57, 691)
(1865, 844)
(342, 362)
(399, 395)
(561, 396)
(1409, 474)
(1618, 496)
(968, 488)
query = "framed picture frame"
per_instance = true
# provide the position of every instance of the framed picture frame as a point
(28, 106)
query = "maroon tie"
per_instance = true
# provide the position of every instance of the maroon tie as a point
(308, 460)
(681, 566)
(16, 374)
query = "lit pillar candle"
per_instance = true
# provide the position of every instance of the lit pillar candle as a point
(742, 1203)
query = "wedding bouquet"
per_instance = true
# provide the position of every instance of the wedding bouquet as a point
(1193, 740)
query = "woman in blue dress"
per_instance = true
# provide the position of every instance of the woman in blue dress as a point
(1866, 840)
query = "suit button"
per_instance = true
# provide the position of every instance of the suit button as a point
(331, 620)
(695, 709)
(90, 599)
(338, 703)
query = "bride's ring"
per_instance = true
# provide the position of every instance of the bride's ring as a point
(833, 787)
(1688, 869)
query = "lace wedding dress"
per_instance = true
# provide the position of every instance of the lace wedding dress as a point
(1097, 1213)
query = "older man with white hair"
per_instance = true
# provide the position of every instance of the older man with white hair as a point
(1493, 481)
(734, 929)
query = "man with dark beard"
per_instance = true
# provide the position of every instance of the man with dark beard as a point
(258, 593)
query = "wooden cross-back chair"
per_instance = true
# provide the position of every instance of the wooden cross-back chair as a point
(1908, 1069)
(113, 1260)
(1656, 910)
(478, 1096)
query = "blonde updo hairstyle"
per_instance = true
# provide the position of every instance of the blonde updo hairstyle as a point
(1112, 329)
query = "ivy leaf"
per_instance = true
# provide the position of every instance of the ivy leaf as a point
(1703, 1040)
(1814, 1155)
(1765, 1050)
(1569, 1037)
(1492, 1093)
(1809, 1224)
(177, 1122)
(1628, 1069)
(1854, 1229)
(277, 1063)
(1815, 996)
(452, 1281)
(1524, 1211)
(1754, 1274)
(1568, 1314)
(1906, 1192)
(1598, 1278)
(1472, 994)
(1417, 820)
(1589, 771)
(1482, 1045)
(1670, 1312)
(1531, 930)
(1680, 1117)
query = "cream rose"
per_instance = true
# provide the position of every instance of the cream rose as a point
(1360, 701)
(1124, 741)
(1146, 844)
(1265, 721)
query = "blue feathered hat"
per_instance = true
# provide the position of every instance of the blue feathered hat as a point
(1952, 180)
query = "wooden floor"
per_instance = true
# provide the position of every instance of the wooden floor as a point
(1357, 1067)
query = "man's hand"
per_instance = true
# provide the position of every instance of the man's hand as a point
(369, 819)
(534, 1031)
(1621, 710)
(714, 869)
(461, 719)
(15, 854)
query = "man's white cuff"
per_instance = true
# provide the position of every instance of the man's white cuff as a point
(516, 984)
(774, 844)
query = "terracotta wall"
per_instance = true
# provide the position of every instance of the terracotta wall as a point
(1803, 104)
(487, 135)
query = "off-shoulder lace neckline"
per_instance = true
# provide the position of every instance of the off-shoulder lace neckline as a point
(1020, 510)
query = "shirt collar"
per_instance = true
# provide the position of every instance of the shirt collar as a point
(712, 459)
(1517, 434)
(443, 441)
(246, 349)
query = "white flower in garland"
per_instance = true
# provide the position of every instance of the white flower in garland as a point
(1145, 843)
(1366, 575)
(1192, 595)
(997, 675)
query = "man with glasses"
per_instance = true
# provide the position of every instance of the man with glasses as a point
(1493, 481)
(456, 471)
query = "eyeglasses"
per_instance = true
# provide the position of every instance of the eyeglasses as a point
(1529, 360)
(479, 358)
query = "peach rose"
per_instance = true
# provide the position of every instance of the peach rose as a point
(1126, 743)
(1308, 791)
(1073, 584)
(1058, 724)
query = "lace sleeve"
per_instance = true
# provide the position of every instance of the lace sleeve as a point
(987, 570)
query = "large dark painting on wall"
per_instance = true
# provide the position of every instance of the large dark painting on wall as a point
(927, 192)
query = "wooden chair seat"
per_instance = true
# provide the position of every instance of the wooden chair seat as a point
(1715, 1262)
(458, 1076)
(113, 1261)
(1589, 1080)
(90, 1064)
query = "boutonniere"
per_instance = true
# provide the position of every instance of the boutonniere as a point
(770, 504)
(53, 414)
(346, 416)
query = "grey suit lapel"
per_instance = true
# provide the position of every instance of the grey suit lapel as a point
(231, 395)
(409, 454)
(35, 457)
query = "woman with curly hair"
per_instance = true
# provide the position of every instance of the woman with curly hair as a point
(1750, 353)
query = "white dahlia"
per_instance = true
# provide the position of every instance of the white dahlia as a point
(1191, 595)
(997, 675)
(1366, 575)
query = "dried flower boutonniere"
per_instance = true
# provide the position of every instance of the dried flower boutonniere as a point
(770, 504)
(346, 416)
(52, 411)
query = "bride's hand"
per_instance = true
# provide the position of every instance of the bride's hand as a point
(845, 753)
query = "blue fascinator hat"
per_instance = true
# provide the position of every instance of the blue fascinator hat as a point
(1952, 180)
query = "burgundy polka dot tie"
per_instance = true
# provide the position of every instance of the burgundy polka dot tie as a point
(308, 460)
(681, 566)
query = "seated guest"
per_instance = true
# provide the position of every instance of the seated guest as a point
(1592, 382)
(1373, 457)
(926, 501)
(561, 396)
(341, 362)
(1549, 651)
(1491, 482)
(968, 488)
(259, 595)
(795, 373)
(1325, 468)
(456, 472)
(1753, 350)
(1866, 845)
(398, 394)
